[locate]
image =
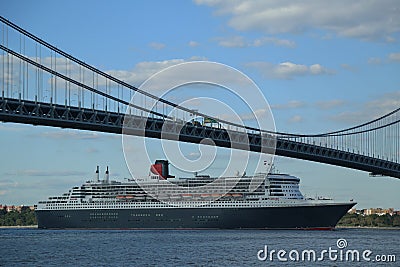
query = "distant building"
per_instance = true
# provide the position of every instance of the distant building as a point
(379, 211)
(372, 211)
(15, 208)
(10, 208)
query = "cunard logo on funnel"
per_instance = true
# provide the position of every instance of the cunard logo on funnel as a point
(197, 128)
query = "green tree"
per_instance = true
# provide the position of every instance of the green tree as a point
(396, 221)
(13, 218)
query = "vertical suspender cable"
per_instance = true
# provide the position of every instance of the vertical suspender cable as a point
(55, 78)
(3, 60)
(66, 84)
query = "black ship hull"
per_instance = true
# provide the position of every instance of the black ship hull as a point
(324, 216)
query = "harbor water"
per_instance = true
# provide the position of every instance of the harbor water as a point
(35, 247)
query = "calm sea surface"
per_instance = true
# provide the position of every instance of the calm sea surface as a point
(34, 247)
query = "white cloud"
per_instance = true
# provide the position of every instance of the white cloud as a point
(348, 67)
(259, 113)
(330, 104)
(275, 41)
(143, 70)
(371, 20)
(240, 41)
(387, 103)
(288, 70)
(157, 46)
(233, 41)
(317, 69)
(193, 44)
(351, 117)
(390, 39)
(200, 71)
(374, 60)
(296, 119)
(371, 110)
(198, 58)
(394, 57)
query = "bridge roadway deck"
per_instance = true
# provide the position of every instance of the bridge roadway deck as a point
(31, 112)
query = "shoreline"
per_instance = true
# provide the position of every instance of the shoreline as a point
(336, 228)
(19, 227)
(367, 227)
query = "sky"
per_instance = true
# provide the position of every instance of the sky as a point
(321, 66)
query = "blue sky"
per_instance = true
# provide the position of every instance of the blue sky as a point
(321, 65)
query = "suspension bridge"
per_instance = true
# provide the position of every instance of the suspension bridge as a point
(43, 85)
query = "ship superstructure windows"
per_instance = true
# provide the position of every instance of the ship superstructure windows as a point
(229, 192)
(282, 185)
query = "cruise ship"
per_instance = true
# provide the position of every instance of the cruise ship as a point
(162, 201)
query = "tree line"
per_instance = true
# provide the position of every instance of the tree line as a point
(373, 220)
(27, 217)
(15, 218)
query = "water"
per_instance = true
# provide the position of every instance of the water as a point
(34, 247)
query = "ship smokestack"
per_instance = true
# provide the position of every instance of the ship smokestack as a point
(96, 175)
(160, 167)
(107, 176)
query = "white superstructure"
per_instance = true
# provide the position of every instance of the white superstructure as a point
(273, 190)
